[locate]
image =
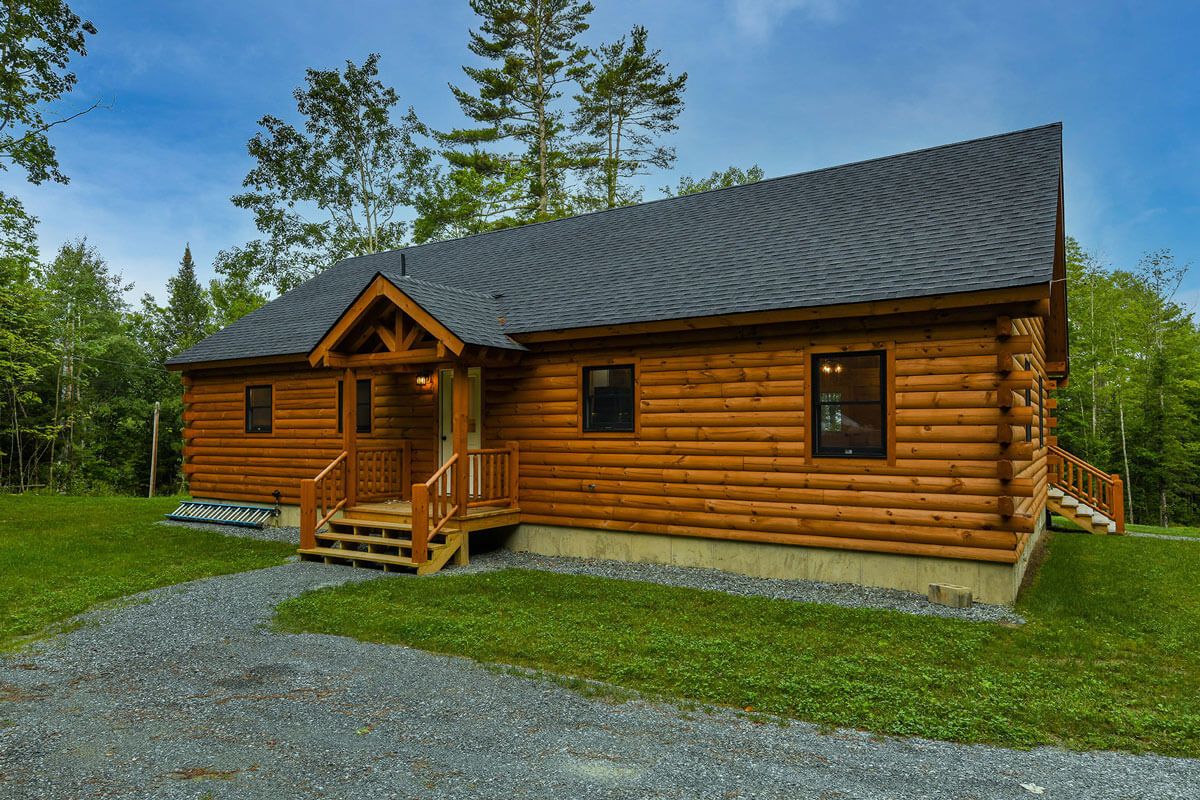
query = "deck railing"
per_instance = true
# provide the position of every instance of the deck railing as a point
(492, 476)
(320, 498)
(385, 472)
(1089, 485)
(432, 507)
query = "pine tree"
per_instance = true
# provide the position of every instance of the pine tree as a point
(188, 315)
(533, 44)
(626, 100)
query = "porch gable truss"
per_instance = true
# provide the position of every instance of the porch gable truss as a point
(385, 326)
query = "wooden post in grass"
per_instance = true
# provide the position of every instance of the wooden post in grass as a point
(1118, 502)
(154, 450)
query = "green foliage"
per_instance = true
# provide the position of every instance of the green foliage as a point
(234, 294)
(1090, 670)
(352, 164)
(37, 38)
(62, 555)
(719, 179)
(533, 48)
(626, 100)
(1133, 401)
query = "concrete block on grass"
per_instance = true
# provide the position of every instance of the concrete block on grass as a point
(946, 594)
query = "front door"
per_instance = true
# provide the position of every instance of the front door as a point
(446, 412)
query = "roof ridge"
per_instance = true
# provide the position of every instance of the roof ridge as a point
(679, 197)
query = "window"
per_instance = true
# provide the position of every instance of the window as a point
(608, 401)
(1029, 405)
(362, 412)
(849, 407)
(258, 409)
(1041, 412)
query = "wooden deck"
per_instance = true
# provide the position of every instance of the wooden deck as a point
(379, 535)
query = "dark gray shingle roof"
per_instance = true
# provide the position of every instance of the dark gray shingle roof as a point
(473, 317)
(974, 215)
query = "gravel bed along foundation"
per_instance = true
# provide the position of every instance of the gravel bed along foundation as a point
(838, 594)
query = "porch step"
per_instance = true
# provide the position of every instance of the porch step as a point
(1080, 513)
(356, 555)
(382, 541)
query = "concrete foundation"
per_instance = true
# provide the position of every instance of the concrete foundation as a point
(988, 582)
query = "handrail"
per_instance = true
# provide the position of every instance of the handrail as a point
(321, 498)
(1088, 484)
(433, 506)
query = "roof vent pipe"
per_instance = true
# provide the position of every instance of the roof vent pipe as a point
(403, 267)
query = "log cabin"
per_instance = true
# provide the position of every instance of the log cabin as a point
(843, 375)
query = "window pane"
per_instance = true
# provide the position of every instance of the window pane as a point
(854, 427)
(608, 398)
(363, 408)
(362, 405)
(260, 396)
(852, 377)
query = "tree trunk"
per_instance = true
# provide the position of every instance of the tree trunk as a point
(1125, 455)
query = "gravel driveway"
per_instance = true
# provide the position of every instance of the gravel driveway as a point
(183, 692)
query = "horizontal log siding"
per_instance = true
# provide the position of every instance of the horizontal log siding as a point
(721, 448)
(1035, 470)
(222, 461)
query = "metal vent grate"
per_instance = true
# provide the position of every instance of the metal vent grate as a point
(221, 514)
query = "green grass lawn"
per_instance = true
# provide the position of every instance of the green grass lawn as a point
(61, 555)
(1110, 657)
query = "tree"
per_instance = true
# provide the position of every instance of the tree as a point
(719, 179)
(626, 100)
(352, 164)
(37, 40)
(1133, 401)
(26, 357)
(188, 315)
(533, 43)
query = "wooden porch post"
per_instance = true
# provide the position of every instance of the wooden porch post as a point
(1118, 502)
(462, 413)
(350, 433)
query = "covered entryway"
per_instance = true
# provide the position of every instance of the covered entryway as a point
(366, 507)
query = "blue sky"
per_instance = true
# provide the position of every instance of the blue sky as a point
(790, 85)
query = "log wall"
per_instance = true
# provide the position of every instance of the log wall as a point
(723, 433)
(722, 451)
(222, 461)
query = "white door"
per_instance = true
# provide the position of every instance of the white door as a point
(446, 412)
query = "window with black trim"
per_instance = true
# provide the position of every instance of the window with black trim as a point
(608, 401)
(1041, 412)
(258, 409)
(362, 413)
(849, 407)
(1029, 405)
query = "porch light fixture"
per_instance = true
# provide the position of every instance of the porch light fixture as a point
(424, 379)
(831, 368)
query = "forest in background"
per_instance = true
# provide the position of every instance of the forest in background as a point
(552, 126)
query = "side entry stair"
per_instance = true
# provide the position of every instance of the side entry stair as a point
(1092, 499)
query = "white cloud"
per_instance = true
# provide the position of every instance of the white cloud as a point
(757, 19)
